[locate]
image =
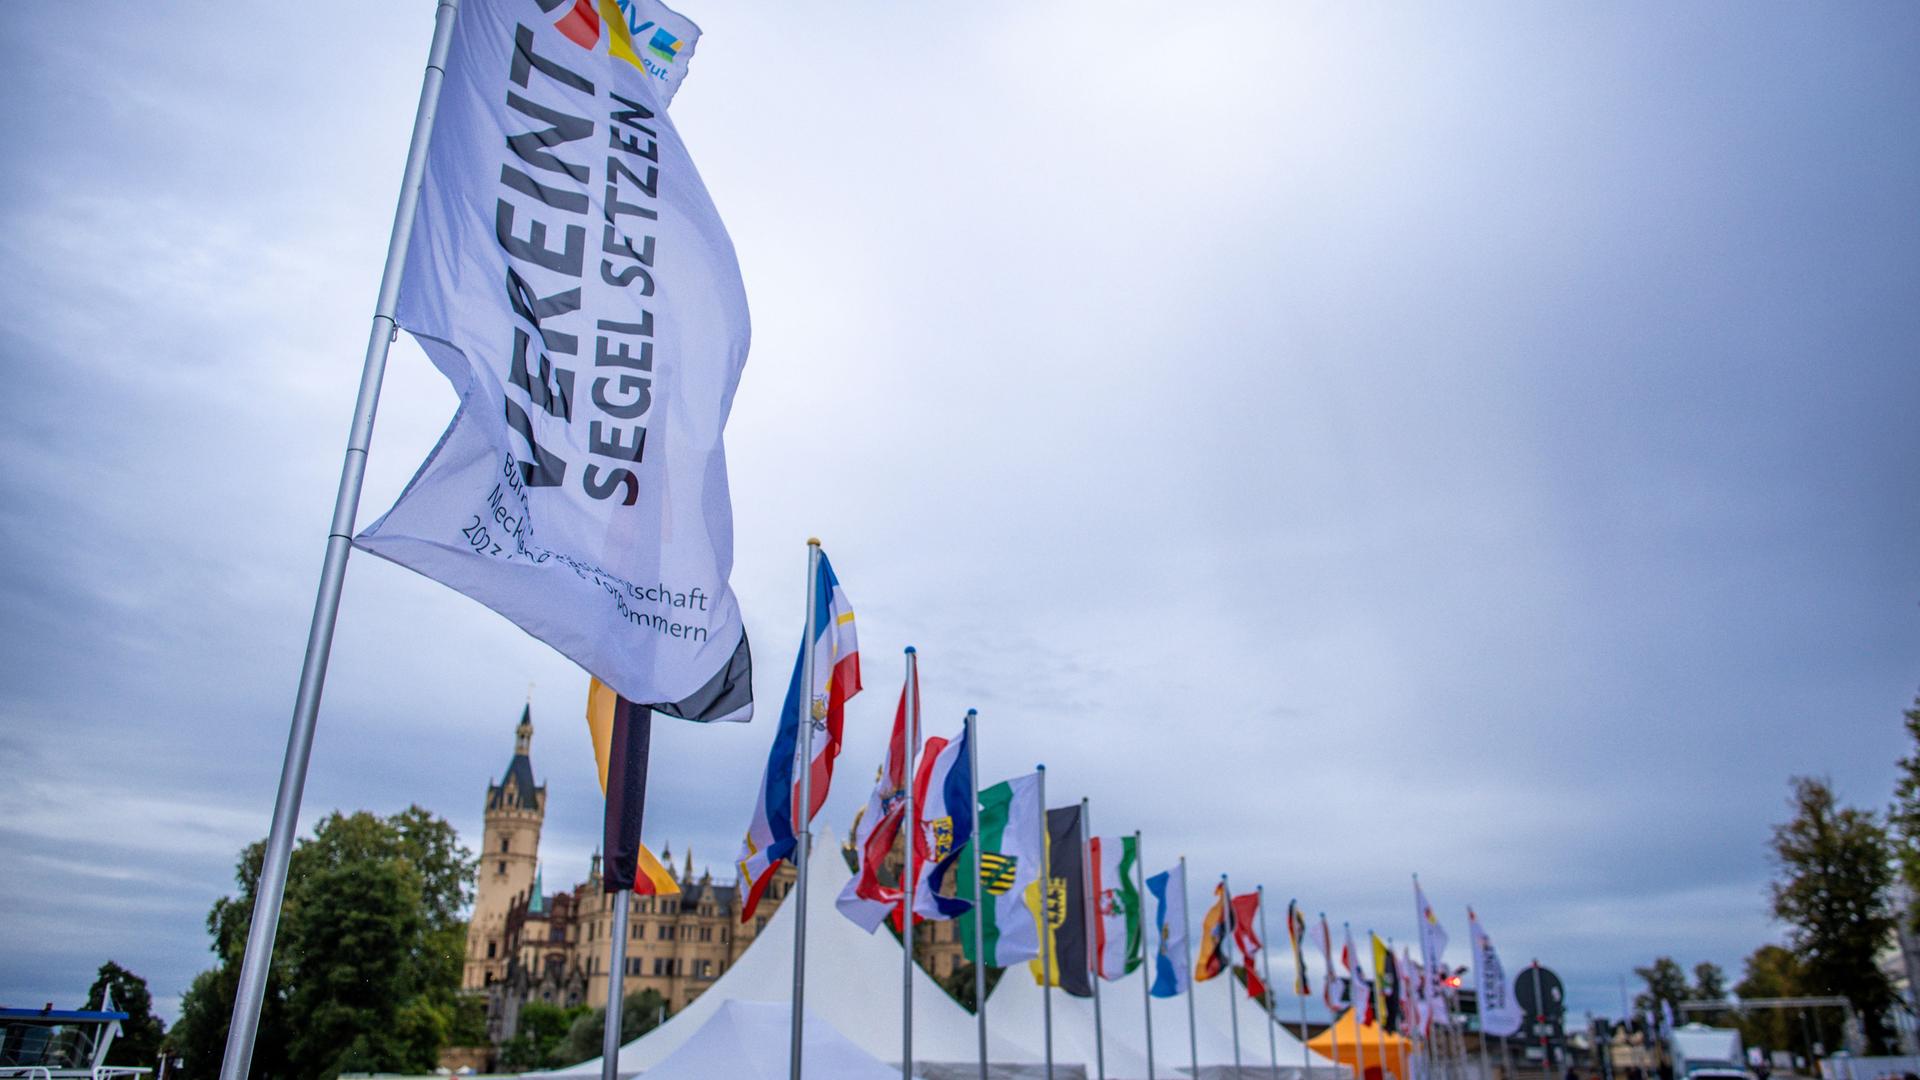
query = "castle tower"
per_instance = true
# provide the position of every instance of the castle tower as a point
(509, 857)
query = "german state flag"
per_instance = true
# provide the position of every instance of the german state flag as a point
(1213, 938)
(622, 732)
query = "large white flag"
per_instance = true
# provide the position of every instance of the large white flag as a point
(570, 277)
(1499, 1013)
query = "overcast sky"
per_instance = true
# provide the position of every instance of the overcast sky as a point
(1341, 440)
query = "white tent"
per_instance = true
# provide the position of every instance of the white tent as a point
(748, 1040)
(853, 983)
(1015, 1010)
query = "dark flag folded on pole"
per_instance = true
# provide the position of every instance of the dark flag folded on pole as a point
(622, 732)
(1066, 907)
(570, 277)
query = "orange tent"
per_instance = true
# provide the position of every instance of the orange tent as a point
(1364, 1048)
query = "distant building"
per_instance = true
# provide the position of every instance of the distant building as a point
(524, 944)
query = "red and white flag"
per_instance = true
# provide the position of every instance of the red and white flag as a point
(864, 899)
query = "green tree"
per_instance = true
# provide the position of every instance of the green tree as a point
(640, 1013)
(367, 957)
(1666, 982)
(1834, 894)
(1903, 818)
(1709, 984)
(140, 1033)
(1772, 972)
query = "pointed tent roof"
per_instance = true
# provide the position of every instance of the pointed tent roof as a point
(853, 983)
(747, 1040)
(1363, 1047)
(1015, 1008)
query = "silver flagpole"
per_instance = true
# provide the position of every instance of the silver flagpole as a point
(1093, 973)
(1266, 961)
(1146, 963)
(1186, 934)
(979, 894)
(1233, 999)
(1047, 966)
(272, 883)
(803, 817)
(909, 831)
(1326, 938)
(616, 986)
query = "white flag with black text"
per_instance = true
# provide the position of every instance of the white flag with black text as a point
(570, 276)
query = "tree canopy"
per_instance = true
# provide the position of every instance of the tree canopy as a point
(1834, 894)
(140, 1033)
(367, 957)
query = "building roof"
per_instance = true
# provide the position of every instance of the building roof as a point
(516, 790)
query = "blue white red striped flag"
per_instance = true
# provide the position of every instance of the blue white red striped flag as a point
(771, 834)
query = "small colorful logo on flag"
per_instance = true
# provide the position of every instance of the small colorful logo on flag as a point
(942, 830)
(664, 45)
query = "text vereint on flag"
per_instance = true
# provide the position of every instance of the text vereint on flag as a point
(570, 277)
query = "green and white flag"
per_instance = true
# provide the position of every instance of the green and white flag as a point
(1006, 855)
(1116, 906)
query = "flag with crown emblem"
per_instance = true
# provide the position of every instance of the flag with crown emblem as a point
(1004, 859)
(773, 831)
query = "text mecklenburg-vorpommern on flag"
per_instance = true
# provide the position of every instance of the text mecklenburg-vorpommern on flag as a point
(570, 277)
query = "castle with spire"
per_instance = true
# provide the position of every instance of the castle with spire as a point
(524, 944)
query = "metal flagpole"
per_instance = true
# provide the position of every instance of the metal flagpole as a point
(1087, 885)
(1479, 994)
(1186, 935)
(909, 831)
(271, 886)
(1233, 999)
(979, 896)
(802, 812)
(1266, 961)
(621, 899)
(1540, 1003)
(1326, 938)
(1050, 972)
(1146, 963)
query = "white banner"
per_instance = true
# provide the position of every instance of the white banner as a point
(570, 276)
(1499, 1013)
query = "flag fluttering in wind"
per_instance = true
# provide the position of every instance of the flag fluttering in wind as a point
(1214, 927)
(777, 819)
(1412, 1016)
(1359, 989)
(1296, 936)
(1433, 947)
(570, 277)
(943, 801)
(621, 733)
(1066, 907)
(1244, 919)
(1386, 987)
(864, 899)
(1005, 854)
(1333, 991)
(1117, 938)
(1166, 932)
(1499, 1013)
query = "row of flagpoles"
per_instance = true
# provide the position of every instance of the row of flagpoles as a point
(980, 857)
(549, 499)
